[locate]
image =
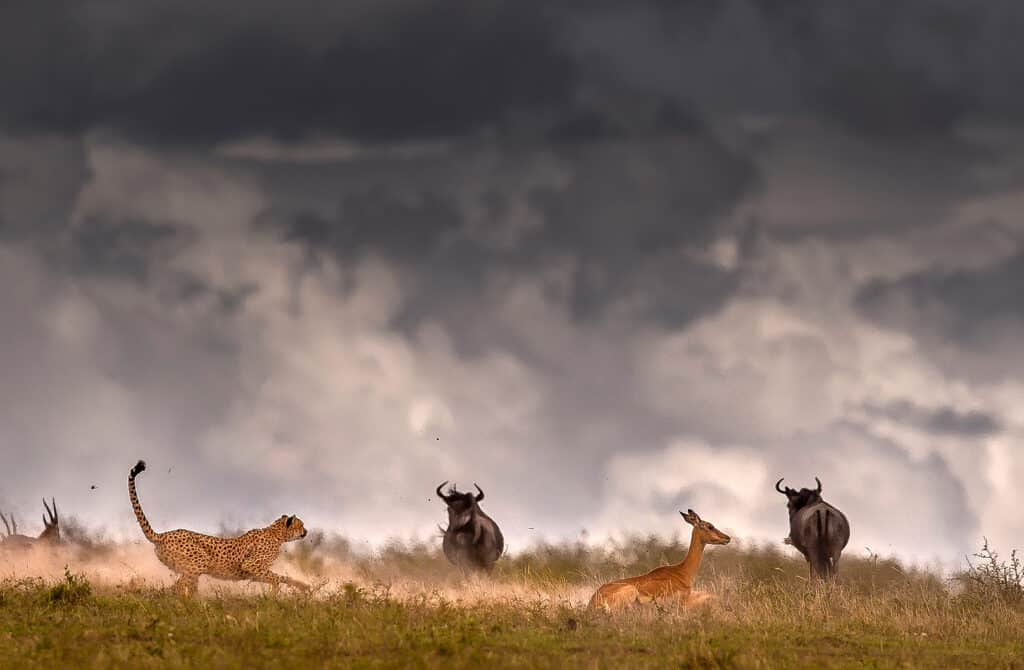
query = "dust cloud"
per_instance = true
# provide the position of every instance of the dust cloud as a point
(134, 565)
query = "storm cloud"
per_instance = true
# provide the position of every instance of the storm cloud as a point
(605, 260)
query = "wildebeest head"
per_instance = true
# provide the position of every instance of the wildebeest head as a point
(797, 500)
(461, 506)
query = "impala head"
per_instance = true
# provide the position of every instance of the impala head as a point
(291, 527)
(797, 500)
(461, 506)
(51, 523)
(705, 530)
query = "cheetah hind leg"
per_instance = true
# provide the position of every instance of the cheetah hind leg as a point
(187, 584)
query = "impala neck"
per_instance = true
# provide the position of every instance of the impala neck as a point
(687, 569)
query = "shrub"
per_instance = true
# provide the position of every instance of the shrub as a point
(992, 578)
(74, 589)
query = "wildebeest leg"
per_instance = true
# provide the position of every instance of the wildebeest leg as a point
(819, 565)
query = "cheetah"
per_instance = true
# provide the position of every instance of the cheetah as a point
(190, 554)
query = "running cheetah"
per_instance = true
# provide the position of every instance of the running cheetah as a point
(191, 554)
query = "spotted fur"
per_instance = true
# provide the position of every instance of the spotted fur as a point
(190, 554)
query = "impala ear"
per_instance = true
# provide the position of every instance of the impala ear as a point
(689, 517)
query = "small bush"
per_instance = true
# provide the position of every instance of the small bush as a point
(74, 589)
(994, 579)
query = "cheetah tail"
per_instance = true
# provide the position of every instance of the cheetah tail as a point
(146, 528)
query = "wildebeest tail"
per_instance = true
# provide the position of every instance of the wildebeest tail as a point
(825, 527)
(151, 535)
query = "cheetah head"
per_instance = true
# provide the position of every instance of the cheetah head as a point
(293, 527)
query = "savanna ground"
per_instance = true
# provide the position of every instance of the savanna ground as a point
(404, 606)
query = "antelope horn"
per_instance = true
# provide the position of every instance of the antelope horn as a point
(819, 485)
(4, 519)
(777, 486)
(480, 496)
(51, 512)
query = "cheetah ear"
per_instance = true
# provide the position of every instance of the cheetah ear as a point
(290, 521)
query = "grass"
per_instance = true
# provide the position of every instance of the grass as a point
(404, 607)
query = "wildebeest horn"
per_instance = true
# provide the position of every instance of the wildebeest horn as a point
(480, 496)
(819, 485)
(441, 495)
(777, 486)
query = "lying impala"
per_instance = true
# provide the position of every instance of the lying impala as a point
(672, 583)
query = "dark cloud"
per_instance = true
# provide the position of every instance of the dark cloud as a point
(529, 240)
(422, 70)
(125, 248)
(629, 224)
(938, 420)
(40, 178)
(968, 322)
(894, 72)
(377, 220)
(644, 119)
(960, 306)
(883, 69)
(408, 69)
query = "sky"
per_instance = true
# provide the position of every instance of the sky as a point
(607, 260)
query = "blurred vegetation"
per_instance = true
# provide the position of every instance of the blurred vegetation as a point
(579, 563)
(403, 605)
(757, 624)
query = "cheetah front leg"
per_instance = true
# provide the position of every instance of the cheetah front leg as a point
(254, 570)
(275, 580)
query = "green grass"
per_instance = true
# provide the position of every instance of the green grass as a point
(403, 606)
(758, 623)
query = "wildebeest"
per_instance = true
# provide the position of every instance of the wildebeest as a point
(50, 534)
(818, 530)
(472, 541)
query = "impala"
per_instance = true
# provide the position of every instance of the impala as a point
(50, 534)
(673, 583)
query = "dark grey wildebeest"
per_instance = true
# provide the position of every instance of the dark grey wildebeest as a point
(818, 530)
(472, 541)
